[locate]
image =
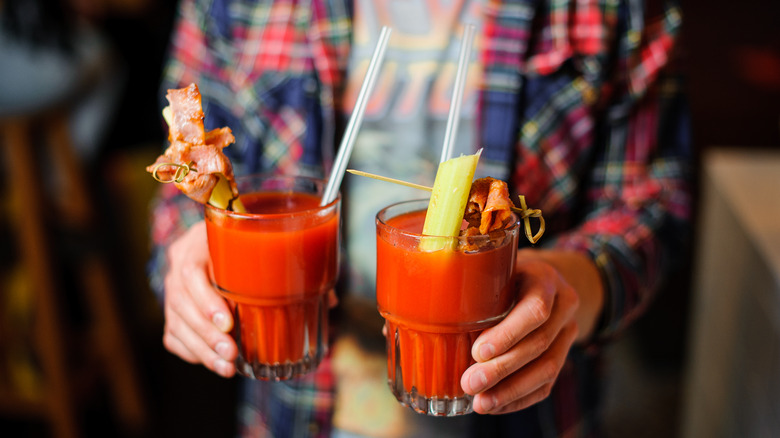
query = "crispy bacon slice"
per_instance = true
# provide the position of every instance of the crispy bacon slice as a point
(489, 207)
(187, 114)
(191, 146)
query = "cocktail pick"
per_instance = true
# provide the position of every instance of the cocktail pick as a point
(181, 172)
(525, 213)
(457, 93)
(350, 134)
(391, 180)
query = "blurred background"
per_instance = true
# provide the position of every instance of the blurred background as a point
(80, 331)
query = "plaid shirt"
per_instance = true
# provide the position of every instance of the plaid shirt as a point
(577, 103)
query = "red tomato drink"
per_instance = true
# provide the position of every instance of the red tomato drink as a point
(435, 304)
(275, 265)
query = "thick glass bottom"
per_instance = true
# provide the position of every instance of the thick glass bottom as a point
(277, 372)
(435, 406)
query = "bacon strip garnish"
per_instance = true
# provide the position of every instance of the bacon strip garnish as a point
(199, 152)
(489, 206)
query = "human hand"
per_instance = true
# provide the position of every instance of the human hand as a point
(197, 319)
(519, 359)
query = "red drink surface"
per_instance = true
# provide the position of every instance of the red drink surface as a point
(437, 303)
(275, 265)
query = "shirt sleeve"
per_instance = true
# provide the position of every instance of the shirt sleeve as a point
(636, 202)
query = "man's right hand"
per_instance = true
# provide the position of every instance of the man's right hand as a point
(197, 319)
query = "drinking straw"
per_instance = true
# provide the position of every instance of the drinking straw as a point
(348, 141)
(457, 93)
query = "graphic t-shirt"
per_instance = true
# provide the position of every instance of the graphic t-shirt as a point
(401, 137)
(406, 116)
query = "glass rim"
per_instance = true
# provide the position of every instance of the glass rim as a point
(513, 227)
(319, 182)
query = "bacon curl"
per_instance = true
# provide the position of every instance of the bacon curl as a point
(191, 146)
(489, 206)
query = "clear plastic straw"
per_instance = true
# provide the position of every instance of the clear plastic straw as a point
(350, 133)
(457, 93)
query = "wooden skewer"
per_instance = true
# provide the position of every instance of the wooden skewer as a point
(392, 180)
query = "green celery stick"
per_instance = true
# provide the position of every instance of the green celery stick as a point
(448, 202)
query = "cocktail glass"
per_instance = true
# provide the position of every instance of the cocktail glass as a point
(275, 265)
(436, 303)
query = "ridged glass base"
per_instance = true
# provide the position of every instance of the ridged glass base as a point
(435, 406)
(276, 372)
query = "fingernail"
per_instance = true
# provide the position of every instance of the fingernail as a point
(487, 403)
(221, 367)
(221, 322)
(477, 381)
(222, 350)
(486, 351)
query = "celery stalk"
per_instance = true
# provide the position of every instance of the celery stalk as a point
(448, 202)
